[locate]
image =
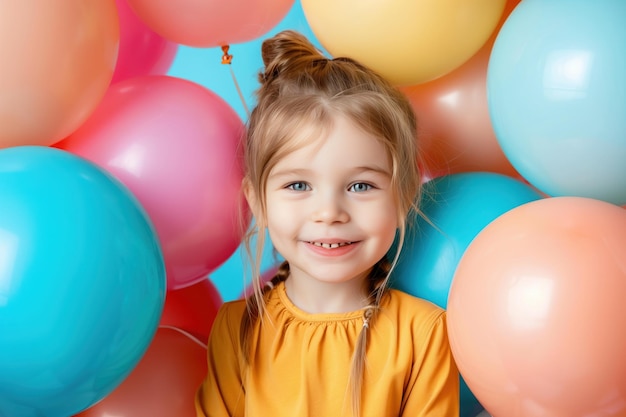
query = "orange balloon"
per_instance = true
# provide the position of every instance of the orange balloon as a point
(455, 130)
(57, 59)
(537, 311)
(192, 308)
(164, 382)
(408, 42)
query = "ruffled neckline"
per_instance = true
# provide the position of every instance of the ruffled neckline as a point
(279, 296)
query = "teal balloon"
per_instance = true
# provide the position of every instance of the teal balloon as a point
(82, 282)
(557, 96)
(455, 209)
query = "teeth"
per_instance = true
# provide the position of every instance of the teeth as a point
(330, 245)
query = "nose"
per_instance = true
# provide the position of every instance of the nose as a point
(330, 208)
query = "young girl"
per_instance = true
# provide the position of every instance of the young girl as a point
(332, 175)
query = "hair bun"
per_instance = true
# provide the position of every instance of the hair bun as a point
(287, 52)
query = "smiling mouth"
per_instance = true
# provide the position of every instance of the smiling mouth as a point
(330, 245)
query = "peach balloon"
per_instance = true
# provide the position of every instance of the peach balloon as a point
(408, 42)
(57, 59)
(175, 144)
(455, 131)
(211, 23)
(163, 383)
(537, 312)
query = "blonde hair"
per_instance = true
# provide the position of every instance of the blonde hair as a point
(301, 92)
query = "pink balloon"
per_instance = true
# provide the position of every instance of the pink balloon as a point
(175, 145)
(537, 312)
(211, 23)
(142, 51)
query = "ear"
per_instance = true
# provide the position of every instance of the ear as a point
(253, 202)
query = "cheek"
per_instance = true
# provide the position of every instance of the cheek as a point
(391, 232)
(279, 217)
(385, 226)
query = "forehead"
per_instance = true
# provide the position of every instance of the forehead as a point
(342, 145)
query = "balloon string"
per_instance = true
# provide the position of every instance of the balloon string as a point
(185, 333)
(227, 59)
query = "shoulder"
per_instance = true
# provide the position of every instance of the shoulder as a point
(408, 310)
(228, 318)
(232, 310)
(400, 300)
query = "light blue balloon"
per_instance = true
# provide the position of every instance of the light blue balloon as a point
(557, 96)
(455, 208)
(82, 282)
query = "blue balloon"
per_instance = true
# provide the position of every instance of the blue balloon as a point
(455, 209)
(82, 282)
(557, 96)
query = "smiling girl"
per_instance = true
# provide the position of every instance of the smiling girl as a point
(331, 174)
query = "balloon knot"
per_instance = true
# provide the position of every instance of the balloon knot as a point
(226, 58)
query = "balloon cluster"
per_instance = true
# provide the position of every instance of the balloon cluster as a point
(522, 235)
(120, 187)
(119, 195)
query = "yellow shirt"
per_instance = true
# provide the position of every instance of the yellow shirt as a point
(301, 362)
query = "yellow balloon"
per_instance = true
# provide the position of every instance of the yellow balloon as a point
(407, 41)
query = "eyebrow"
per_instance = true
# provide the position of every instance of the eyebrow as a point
(303, 172)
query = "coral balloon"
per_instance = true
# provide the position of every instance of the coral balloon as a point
(175, 144)
(557, 97)
(192, 309)
(142, 51)
(164, 382)
(57, 62)
(408, 42)
(211, 23)
(455, 131)
(536, 312)
(82, 282)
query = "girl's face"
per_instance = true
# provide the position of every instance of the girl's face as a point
(330, 208)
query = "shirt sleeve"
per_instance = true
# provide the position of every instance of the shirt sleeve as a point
(221, 393)
(434, 381)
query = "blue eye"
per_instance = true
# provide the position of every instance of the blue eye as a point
(359, 187)
(298, 186)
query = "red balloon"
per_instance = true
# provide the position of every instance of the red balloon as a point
(164, 382)
(455, 131)
(537, 311)
(192, 308)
